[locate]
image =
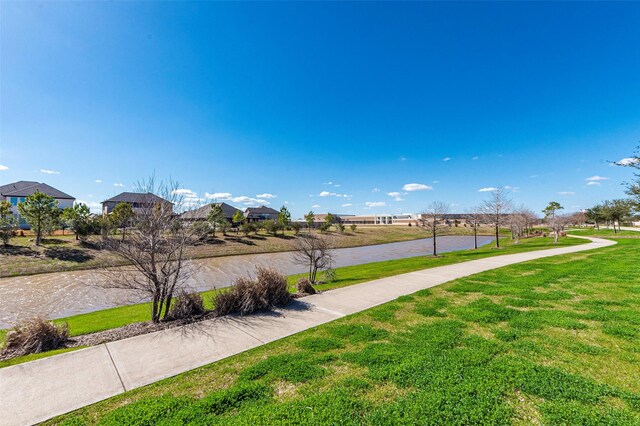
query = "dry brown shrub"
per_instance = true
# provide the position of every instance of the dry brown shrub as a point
(187, 305)
(303, 287)
(247, 295)
(35, 335)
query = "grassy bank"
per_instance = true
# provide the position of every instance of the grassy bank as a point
(552, 341)
(350, 275)
(603, 232)
(63, 253)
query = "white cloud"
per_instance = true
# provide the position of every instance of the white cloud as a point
(533, 176)
(3, 167)
(512, 188)
(375, 204)
(337, 185)
(347, 205)
(327, 183)
(119, 185)
(265, 195)
(98, 181)
(416, 187)
(218, 195)
(487, 189)
(566, 193)
(446, 159)
(596, 178)
(475, 158)
(315, 206)
(50, 172)
(376, 190)
(90, 204)
(403, 158)
(184, 192)
(333, 194)
(396, 196)
(624, 161)
(248, 200)
(93, 206)
(593, 183)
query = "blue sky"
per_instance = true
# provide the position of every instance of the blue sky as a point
(342, 107)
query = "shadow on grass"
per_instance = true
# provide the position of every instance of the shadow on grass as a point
(241, 241)
(17, 251)
(68, 254)
(53, 241)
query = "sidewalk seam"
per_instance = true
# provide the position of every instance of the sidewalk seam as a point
(247, 333)
(115, 367)
(338, 314)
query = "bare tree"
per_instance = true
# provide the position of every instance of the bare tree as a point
(433, 219)
(474, 218)
(155, 249)
(518, 224)
(555, 220)
(314, 252)
(496, 209)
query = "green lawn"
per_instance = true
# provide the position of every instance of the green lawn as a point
(553, 341)
(116, 317)
(603, 232)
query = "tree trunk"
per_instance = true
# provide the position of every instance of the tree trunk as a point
(434, 242)
(497, 235)
(38, 233)
(154, 310)
(475, 237)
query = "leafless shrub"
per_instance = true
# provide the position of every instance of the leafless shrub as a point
(35, 335)
(314, 252)
(247, 295)
(330, 275)
(187, 305)
(304, 287)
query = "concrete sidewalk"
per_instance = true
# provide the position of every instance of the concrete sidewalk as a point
(39, 390)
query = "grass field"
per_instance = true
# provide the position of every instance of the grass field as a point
(603, 232)
(552, 341)
(350, 275)
(63, 253)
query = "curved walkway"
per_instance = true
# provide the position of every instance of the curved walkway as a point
(39, 390)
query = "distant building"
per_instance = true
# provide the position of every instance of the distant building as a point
(138, 200)
(260, 214)
(371, 219)
(202, 213)
(17, 192)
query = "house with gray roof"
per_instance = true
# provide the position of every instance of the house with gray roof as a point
(138, 201)
(202, 213)
(260, 214)
(17, 192)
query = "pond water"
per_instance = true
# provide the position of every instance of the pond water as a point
(63, 294)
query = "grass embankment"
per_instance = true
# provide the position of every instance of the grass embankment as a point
(551, 341)
(117, 317)
(64, 253)
(603, 232)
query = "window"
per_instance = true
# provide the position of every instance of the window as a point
(14, 201)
